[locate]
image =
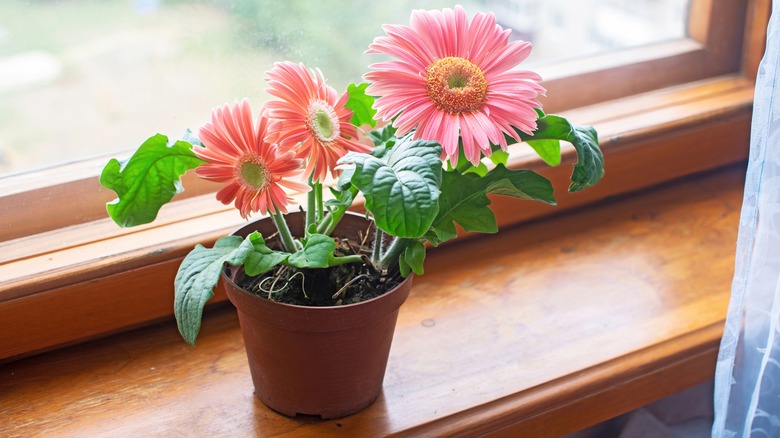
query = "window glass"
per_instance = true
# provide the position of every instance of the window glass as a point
(82, 78)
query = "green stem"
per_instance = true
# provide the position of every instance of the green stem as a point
(310, 206)
(333, 219)
(320, 206)
(346, 259)
(389, 259)
(378, 242)
(284, 232)
(322, 226)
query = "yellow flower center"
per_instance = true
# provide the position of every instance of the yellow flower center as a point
(456, 85)
(254, 172)
(322, 121)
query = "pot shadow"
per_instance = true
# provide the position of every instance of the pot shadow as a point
(371, 421)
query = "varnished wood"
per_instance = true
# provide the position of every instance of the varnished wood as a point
(755, 37)
(540, 330)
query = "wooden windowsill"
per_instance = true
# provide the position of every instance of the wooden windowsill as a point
(538, 331)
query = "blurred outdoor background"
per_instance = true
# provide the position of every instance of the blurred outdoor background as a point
(85, 78)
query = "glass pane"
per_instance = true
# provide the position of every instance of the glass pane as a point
(565, 29)
(82, 78)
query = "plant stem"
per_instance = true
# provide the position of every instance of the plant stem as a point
(390, 258)
(333, 219)
(345, 259)
(320, 206)
(322, 226)
(310, 206)
(284, 232)
(379, 235)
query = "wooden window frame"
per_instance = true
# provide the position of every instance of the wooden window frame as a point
(712, 48)
(68, 274)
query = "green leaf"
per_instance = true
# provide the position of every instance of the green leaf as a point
(341, 198)
(499, 157)
(589, 168)
(404, 267)
(361, 105)
(464, 199)
(317, 252)
(148, 180)
(384, 137)
(196, 278)
(401, 188)
(548, 150)
(481, 169)
(414, 257)
(262, 258)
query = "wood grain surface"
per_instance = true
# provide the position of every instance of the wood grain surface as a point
(537, 331)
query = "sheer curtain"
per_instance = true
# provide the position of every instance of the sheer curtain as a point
(747, 379)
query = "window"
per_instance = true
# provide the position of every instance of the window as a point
(111, 73)
(111, 70)
(65, 265)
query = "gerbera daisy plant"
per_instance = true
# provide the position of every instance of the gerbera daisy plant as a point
(424, 140)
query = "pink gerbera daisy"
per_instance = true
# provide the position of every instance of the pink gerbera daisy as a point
(311, 118)
(254, 170)
(451, 78)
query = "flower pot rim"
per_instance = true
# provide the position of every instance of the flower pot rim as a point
(227, 278)
(240, 232)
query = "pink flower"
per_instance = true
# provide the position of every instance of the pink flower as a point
(311, 118)
(451, 78)
(254, 170)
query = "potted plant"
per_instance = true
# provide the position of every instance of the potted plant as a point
(318, 291)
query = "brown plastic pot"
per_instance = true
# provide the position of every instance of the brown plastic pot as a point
(326, 361)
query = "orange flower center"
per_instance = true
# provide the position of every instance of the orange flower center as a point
(456, 85)
(322, 121)
(254, 172)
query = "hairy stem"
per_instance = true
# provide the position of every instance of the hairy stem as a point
(320, 206)
(310, 206)
(322, 226)
(333, 219)
(379, 235)
(345, 259)
(284, 232)
(389, 259)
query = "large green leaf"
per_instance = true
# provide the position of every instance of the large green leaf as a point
(589, 168)
(464, 199)
(317, 252)
(402, 187)
(196, 278)
(361, 105)
(262, 258)
(148, 180)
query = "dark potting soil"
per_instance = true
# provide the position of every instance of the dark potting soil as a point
(339, 285)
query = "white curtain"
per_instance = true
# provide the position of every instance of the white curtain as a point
(747, 379)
